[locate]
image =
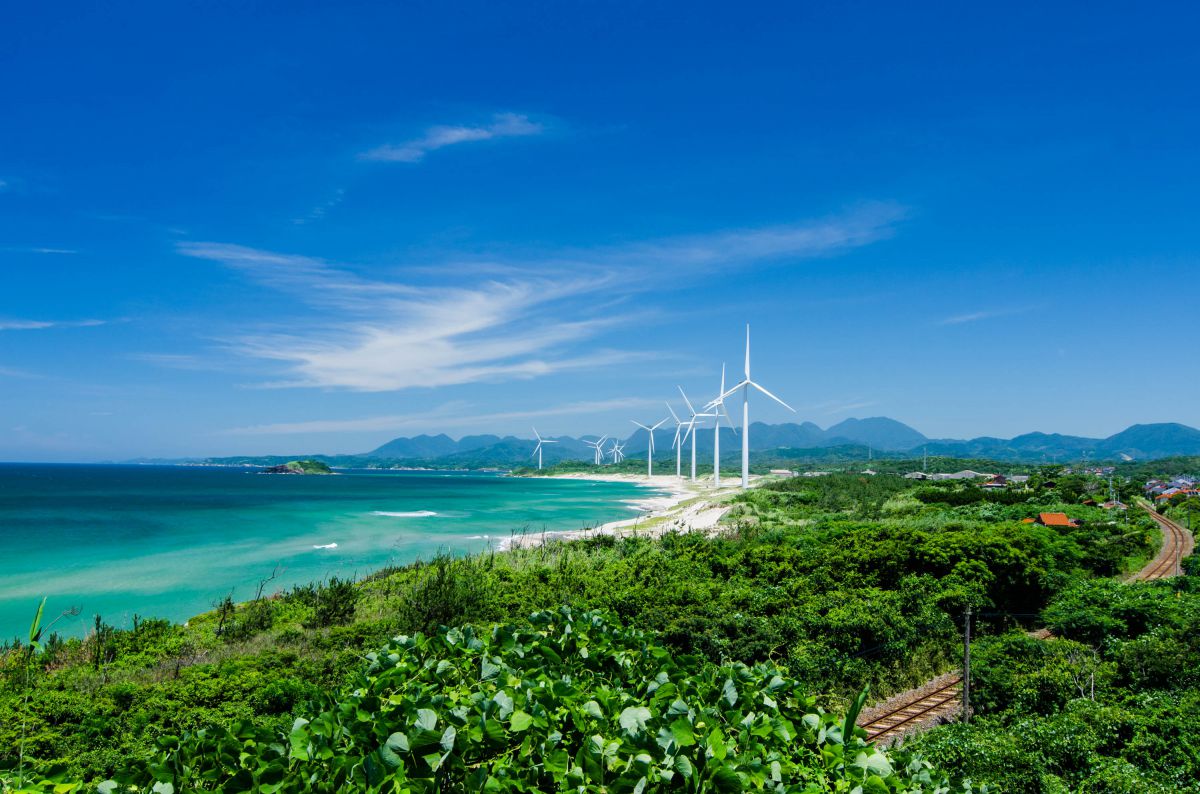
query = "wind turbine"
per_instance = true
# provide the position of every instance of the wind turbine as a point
(617, 451)
(650, 453)
(719, 405)
(745, 387)
(538, 449)
(691, 431)
(677, 444)
(595, 445)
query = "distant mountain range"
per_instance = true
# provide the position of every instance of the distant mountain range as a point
(878, 435)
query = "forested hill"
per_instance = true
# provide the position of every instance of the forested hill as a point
(850, 439)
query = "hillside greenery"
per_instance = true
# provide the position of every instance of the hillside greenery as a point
(1111, 704)
(836, 583)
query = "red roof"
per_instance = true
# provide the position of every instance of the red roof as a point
(1054, 519)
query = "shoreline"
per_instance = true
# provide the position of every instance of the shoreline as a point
(684, 507)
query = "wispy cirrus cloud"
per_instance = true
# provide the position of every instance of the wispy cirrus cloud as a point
(318, 212)
(38, 325)
(386, 333)
(449, 416)
(38, 250)
(990, 314)
(502, 125)
(865, 224)
(11, 372)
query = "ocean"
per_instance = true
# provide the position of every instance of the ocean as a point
(170, 541)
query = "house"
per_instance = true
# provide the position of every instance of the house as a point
(999, 481)
(1114, 505)
(1056, 520)
(916, 475)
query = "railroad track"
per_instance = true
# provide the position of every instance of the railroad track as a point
(920, 708)
(1177, 544)
(914, 711)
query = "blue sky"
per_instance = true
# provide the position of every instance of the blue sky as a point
(284, 228)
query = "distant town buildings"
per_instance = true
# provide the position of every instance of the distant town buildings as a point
(1162, 491)
(993, 480)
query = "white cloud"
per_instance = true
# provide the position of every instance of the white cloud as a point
(384, 336)
(867, 224)
(37, 325)
(9, 372)
(318, 212)
(972, 317)
(503, 125)
(35, 250)
(450, 416)
(381, 333)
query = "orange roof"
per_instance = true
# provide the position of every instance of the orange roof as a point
(1026, 520)
(1054, 519)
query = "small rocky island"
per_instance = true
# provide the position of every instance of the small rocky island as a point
(299, 467)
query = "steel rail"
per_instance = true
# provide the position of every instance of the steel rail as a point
(948, 693)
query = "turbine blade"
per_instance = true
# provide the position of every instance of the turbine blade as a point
(732, 389)
(687, 401)
(722, 377)
(773, 397)
(747, 351)
(673, 415)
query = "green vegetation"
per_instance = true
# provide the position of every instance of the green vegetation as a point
(567, 703)
(833, 583)
(301, 467)
(1110, 705)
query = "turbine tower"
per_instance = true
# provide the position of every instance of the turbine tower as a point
(691, 431)
(745, 387)
(538, 449)
(677, 445)
(598, 459)
(719, 405)
(650, 452)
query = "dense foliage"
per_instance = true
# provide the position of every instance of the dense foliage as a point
(1110, 705)
(842, 581)
(567, 703)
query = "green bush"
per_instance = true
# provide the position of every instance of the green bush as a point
(571, 702)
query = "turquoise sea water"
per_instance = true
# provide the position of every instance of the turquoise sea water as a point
(169, 541)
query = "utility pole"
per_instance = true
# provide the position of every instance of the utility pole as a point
(966, 679)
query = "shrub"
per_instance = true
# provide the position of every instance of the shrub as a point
(572, 702)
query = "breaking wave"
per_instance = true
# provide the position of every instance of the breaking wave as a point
(413, 514)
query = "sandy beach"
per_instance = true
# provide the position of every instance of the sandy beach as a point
(684, 506)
